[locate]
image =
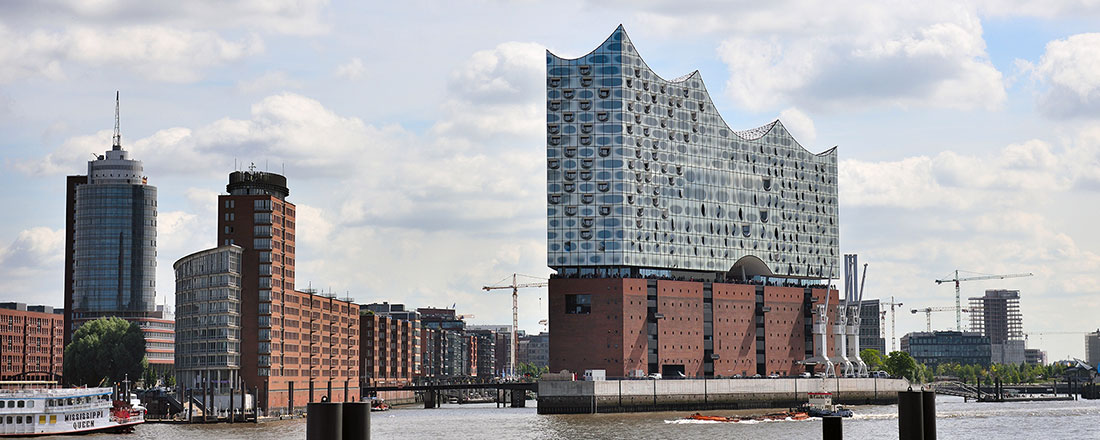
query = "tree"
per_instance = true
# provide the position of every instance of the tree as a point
(528, 369)
(901, 364)
(871, 357)
(105, 351)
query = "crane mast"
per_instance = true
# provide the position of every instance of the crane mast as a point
(958, 293)
(515, 286)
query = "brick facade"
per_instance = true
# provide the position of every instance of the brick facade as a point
(699, 329)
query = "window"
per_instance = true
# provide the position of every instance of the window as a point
(261, 205)
(578, 304)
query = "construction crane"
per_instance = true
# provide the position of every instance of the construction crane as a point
(957, 280)
(893, 322)
(515, 286)
(928, 313)
(1026, 334)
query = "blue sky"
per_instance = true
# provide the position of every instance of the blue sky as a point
(412, 133)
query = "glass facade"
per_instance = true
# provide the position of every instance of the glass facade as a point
(114, 248)
(963, 348)
(208, 310)
(642, 172)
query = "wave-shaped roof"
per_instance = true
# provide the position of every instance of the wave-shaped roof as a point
(620, 35)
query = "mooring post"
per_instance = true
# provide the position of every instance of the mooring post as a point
(910, 415)
(324, 421)
(832, 428)
(928, 409)
(357, 421)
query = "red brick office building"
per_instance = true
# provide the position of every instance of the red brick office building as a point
(31, 342)
(296, 346)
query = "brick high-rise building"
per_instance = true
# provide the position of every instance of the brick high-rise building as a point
(31, 342)
(295, 346)
(111, 249)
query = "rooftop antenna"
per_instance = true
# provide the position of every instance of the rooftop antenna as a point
(117, 145)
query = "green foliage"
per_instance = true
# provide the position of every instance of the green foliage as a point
(873, 359)
(527, 369)
(901, 364)
(1008, 373)
(105, 351)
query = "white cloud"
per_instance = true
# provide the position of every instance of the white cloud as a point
(284, 128)
(36, 254)
(35, 246)
(800, 125)
(352, 70)
(1070, 68)
(292, 17)
(1020, 174)
(497, 92)
(830, 56)
(154, 52)
(269, 81)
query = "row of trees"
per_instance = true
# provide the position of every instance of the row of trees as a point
(901, 364)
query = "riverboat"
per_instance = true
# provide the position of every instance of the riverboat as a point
(821, 405)
(378, 404)
(41, 411)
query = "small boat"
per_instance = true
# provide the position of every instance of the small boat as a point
(698, 416)
(378, 404)
(44, 411)
(821, 405)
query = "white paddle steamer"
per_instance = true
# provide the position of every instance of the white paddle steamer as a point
(42, 411)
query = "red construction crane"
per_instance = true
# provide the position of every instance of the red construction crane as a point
(958, 300)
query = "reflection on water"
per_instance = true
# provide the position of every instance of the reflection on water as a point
(956, 420)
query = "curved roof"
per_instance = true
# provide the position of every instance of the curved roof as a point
(619, 34)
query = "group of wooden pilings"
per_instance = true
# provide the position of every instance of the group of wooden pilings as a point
(207, 395)
(338, 420)
(916, 418)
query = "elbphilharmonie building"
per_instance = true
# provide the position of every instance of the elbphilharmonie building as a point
(680, 246)
(645, 177)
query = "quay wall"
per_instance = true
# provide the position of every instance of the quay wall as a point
(611, 396)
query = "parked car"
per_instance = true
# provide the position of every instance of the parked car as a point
(805, 375)
(773, 376)
(757, 376)
(880, 374)
(737, 376)
(654, 376)
(821, 375)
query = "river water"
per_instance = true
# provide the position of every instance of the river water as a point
(955, 420)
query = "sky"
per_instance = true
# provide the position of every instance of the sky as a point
(412, 134)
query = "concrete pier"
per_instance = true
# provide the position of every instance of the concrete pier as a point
(611, 396)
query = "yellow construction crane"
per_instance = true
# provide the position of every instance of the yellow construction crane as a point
(515, 314)
(957, 280)
(928, 313)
